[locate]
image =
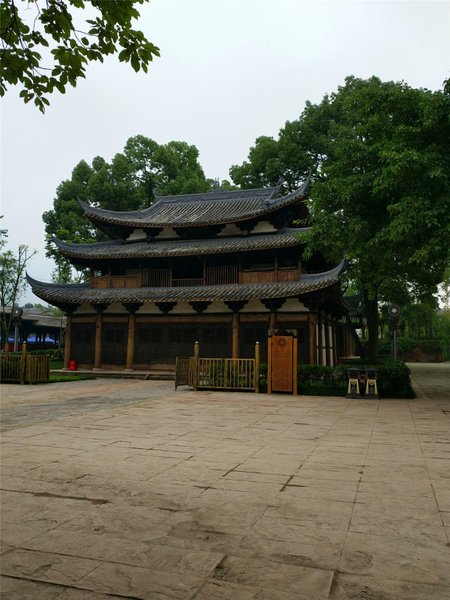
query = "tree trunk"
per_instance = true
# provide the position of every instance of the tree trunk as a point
(371, 305)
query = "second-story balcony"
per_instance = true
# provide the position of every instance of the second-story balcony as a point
(212, 275)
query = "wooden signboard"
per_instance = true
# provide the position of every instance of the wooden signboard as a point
(282, 362)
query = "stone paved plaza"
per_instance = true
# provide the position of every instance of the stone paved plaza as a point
(123, 488)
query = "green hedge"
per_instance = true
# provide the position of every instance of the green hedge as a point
(319, 380)
(394, 380)
(406, 344)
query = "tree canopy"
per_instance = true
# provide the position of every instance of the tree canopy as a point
(129, 182)
(46, 45)
(380, 156)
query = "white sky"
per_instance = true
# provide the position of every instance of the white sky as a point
(230, 71)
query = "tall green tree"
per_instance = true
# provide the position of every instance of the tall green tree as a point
(45, 45)
(379, 152)
(131, 181)
(12, 281)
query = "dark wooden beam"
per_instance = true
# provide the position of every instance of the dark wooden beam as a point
(273, 304)
(132, 307)
(165, 307)
(68, 309)
(236, 305)
(199, 307)
(100, 308)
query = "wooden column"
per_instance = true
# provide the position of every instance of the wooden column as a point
(334, 341)
(235, 306)
(68, 309)
(99, 308)
(235, 335)
(195, 366)
(312, 340)
(132, 309)
(273, 304)
(273, 320)
(257, 363)
(319, 339)
(327, 342)
(67, 341)
(130, 341)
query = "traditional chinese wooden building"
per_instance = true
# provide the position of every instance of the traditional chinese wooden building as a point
(221, 268)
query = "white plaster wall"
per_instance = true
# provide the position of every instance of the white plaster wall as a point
(137, 234)
(254, 306)
(230, 229)
(264, 227)
(182, 308)
(166, 233)
(217, 307)
(85, 309)
(293, 305)
(115, 307)
(150, 308)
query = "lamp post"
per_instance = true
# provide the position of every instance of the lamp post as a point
(17, 314)
(394, 317)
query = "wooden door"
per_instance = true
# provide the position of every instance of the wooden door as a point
(282, 363)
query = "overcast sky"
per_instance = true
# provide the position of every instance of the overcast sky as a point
(229, 71)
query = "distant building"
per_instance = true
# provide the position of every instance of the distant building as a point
(221, 268)
(39, 329)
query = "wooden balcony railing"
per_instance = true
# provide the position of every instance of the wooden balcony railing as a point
(156, 278)
(188, 281)
(116, 281)
(222, 275)
(214, 275)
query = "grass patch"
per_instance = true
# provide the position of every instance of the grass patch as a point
(56, 364)
(62, 378)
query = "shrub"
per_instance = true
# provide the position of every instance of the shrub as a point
(320, 380)
(430, 346)
(394, 380)
(313, 380)
(406, 344)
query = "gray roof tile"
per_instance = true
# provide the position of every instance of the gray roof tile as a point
(167, 248)
(199, 209)
(79, 293)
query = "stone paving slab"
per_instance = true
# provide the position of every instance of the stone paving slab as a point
(125, 488)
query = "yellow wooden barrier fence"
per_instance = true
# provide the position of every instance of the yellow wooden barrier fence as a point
(218, 373)
(24, 368)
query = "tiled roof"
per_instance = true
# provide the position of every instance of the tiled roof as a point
(78, 293)
(166, 248)
(195, 210)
